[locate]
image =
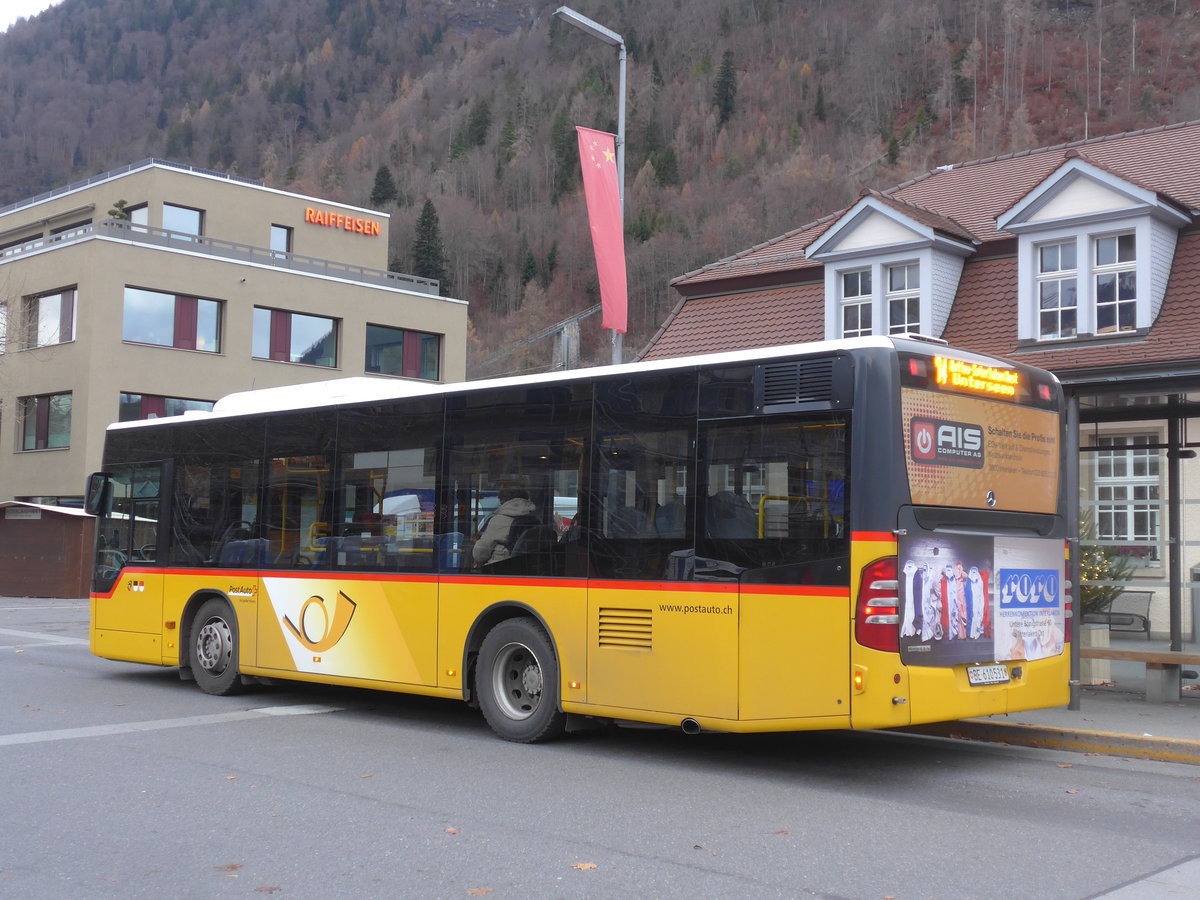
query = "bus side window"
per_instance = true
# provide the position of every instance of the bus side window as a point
(642, 475)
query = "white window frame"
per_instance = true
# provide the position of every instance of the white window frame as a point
(1130, 488)
(1061, 277)
(906, 294)
(856, 304)
(1085, 237)
(1116, 270)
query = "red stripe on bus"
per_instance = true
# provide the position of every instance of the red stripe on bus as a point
(872, 536)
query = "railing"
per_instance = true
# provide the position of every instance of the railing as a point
(161, 237)
(112, 173)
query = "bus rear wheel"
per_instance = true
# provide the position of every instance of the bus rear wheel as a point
(213, 650)
(516, 680)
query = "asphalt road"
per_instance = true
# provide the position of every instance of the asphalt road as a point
(119, 780)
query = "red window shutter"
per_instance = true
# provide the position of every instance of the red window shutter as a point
(66, 317)
(153, 405)
(281, 335)
(185, 323)
(412, 354)
(42, 440)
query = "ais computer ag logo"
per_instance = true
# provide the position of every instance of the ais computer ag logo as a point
(944, 443)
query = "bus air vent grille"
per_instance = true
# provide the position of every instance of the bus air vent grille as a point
(798, 382)
(630, 628)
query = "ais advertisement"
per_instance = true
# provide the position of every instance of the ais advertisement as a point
(975, 599)
(968, 452)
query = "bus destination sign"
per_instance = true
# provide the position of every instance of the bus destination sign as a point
(974, 378)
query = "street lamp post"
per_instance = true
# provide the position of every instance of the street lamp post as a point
(596, 30)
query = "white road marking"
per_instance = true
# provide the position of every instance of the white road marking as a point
(41, 636)
(244, 715)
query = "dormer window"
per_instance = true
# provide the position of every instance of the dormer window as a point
(1058, 295)
(890, 268)
(856, 303)
(1094, 253)
(1115, 273)
(904, 299)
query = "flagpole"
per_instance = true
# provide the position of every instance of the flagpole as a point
(598, 31)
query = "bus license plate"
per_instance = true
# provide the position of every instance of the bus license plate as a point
(987, 674)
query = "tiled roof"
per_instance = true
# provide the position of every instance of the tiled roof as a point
(740, 321)
(964, 201)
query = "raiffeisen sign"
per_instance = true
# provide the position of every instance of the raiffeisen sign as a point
(342, 221)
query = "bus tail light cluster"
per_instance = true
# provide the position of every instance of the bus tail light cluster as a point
(877, 617)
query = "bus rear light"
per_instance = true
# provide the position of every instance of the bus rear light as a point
(877, 618)
(1044, 392)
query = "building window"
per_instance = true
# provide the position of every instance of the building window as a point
(139, 217)
(183, 219)
(49, 318)
(281, 240)
(396, 351)
(3, 326)
(1115, 276)
(45, 421)
(904, 298)
(1058, 300)
(1127, 494)
(171, 320)
(153, 406)
(294, 337)
(856, 303)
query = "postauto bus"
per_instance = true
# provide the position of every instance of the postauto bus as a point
(854, 534)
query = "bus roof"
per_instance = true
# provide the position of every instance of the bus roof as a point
(364, 389)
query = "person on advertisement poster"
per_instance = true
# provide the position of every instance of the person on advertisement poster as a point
(945, 600)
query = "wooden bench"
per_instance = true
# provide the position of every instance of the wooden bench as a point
(1163, 668)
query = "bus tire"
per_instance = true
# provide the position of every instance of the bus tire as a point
(516, 680)
(213, 648)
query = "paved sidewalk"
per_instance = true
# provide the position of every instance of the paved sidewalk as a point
(1111, 721)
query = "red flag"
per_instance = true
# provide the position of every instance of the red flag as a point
(598, 156)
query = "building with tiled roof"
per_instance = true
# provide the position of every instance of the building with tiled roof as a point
(1082, 258)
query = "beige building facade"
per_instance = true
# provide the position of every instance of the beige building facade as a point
(159, 288)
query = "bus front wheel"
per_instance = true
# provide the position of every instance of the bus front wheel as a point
(213, 651)
(516, 680)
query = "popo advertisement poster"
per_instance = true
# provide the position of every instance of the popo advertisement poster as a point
(976, 599)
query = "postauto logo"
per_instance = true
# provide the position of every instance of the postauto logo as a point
(944, 443)
(322, 624)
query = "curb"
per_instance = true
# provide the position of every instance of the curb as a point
(1103, 743)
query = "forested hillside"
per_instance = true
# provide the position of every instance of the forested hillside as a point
(746, 118)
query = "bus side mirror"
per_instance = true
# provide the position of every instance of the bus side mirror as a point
(98, 497)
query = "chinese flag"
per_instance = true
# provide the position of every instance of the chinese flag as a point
(597, 155)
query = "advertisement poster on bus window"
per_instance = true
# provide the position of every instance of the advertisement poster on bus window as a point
(979, 454)
(976, 599)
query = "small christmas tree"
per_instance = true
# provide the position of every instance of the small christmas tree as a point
(1103, 569)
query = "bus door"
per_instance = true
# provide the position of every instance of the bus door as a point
(771, 520)
(127, 583)
(659, 638)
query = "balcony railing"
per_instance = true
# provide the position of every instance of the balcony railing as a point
(161, 237)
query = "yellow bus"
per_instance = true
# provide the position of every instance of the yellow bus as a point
(853, 534)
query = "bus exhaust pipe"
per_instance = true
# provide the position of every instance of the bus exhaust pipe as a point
(690, 726)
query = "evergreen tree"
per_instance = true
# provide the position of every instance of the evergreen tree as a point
(666, 166)
(725, 89)
(429, 259)
(384, 190)
(530, 269)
